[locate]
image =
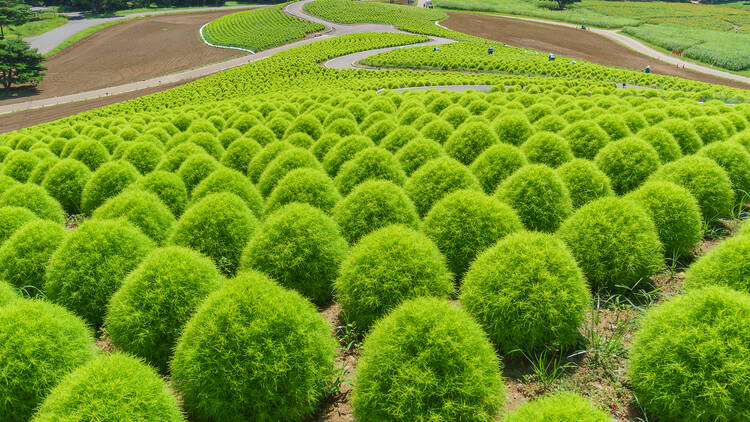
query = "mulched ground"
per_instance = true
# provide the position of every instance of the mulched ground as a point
(570, 42)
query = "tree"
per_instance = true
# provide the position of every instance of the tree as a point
(13, 12)
(19, 63)
(562, 3)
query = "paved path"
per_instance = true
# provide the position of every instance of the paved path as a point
(77, 22)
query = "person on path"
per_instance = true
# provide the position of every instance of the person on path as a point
(551, 56)
(647, 69)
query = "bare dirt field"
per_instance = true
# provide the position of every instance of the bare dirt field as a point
(574, 43)
(129, 52)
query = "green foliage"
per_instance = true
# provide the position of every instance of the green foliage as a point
(19, 63)
(428, 360)
(495, 164)
(706, 181)
(628, 163)
(663, 142)
(218, 226)
(669, 369)
(143, 210)
(232, 181)
(107, 181)
(305, 185)
(110, 388)
(734, 159)
(251, 325)
(19, 165)
(435, 179)
(369, 164)
(538, 195)
(417, 152)
(8, 294)
(39, 344)
(65, 182)
(614, 242)
(239, 153)
(709, 129)
(466, 222)
(195, 168)
(91, 153)
(344, 151)
(301, 247)
(675, 213)
(24, 256)
(146, 315)
(547, 148)
(34, 198)
(144, 156)
(168, 187)
(725, 265)
(285, 162)
(469, 141)
(513, 128)
(13, 218)
(585, 182)
(385, 268)
(684, 134)
(559, 407)
(585, 138)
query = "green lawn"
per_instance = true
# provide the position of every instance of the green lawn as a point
(44, 22)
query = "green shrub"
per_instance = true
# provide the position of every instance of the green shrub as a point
(688, 360)
(300, 140)
(144, 156)
(6, 183)
(734, 159)
(675, 213)
(455, 115)
(369, 164)
(464, 223)
(418, 152)
(469, 141)
(387, 267)
(435, 179)
(742, 138)
(585, 138)
(284, 162)
(173, 159)
(663, 142)
(559, 407)
(301, 247)
(91, 263)
(24, 256)
(585, 182)
(709, 129)
(615, 243)
(378, 131)
(344, 151)
(19, 165)
(321, 147)
(34, 198)
(208, 143)
(398, 137)
(39, 344)
(91, 153)
(552, 123)
(684, 134)
(239, 153)
(146, 315)
(232, 181)
(65, 182)
(513, 128)
(343, 127)
(143, 209)
(725, 265)
(8, 294)
(527, 292)
(168, 187)
(427, 360)
(196, 168)
(438, 130)
(706, 181)
(252, 325)
(107, 181)
(628, 163)
(40, 170)
(13, 218)
(305, 185)
(110, 388)
(538, 195)
(218, 226)
(495, 164)
(614, 125)
(547, 148)
(306, 124)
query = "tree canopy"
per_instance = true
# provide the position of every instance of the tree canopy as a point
(13, 12)
(19, 63)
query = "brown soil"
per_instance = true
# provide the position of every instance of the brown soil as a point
(128, 52)
(569, 42)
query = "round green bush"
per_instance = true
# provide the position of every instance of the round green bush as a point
(464, 223)
(628, 163)
(111, 388)
(232, 181)
(196, 168)
(455, 115)
(527, 292)
(7, 182)
(495, 164)
(513, 128)
(343, 127)
(252, 325)
(19, 165)
(175, 157)
(725, 265)
(146, 315)
(284, 162)
(107, 181)
(91, 153)
(208, 143)
(688, 360)
(239, 154)
(469, 141)
(34, 198)
(369, 164)
(675, 213)
(168, 187)
(321, 147)
(399, 137)
(684, 134)
(387, 267)
(663, 142)
(218, 226)
(65, 182)
(614, 241)
(585, 182)
(435, 179)
(378, 131)
(8, 294)
(559, 407)
(301, 247)
(24, 256)
(552, 123)
(547, 148)
(263, 135)
(13, 218)
(742, 138)
(709, 129)
(306, 124)
(418, 152)
(344, 151)
(40, 171)
(538, 195)
(305, 185)
(144, 156)
(734, 159)
(39, 344)
(706, 181)
(91, 263)
(143, 209)
(437, 130)
(428, 360)
(614, 125)
(300, 140)
(585, 138)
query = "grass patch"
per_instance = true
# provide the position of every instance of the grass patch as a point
(42, 23)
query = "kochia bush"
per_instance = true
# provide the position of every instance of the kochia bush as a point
(585, 182)
(107, 181)
(538, 195)
(559, 407)
(547, 148)
(65, 182)
(628, 163)
(24, 256)
(143, 209)
(309, 186)
(435, 179)
(585, 138)
(734, 159)
(8, 294)
(12, 219)
(232, 181)
(418, 152)
(470, 140)
(725, 265)
(369, 164)
(495, 164)
(34, 198)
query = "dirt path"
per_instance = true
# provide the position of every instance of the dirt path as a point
(565, 40)
(131, 51)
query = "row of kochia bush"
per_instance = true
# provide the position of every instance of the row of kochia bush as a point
(520, 205)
